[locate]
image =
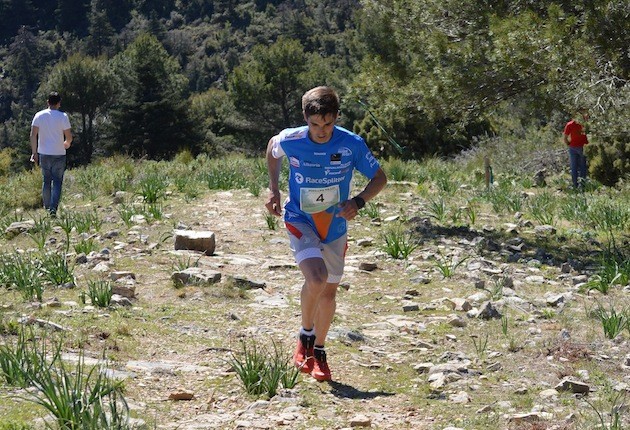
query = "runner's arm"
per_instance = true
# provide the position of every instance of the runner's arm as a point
(349, 208)
(273, 168)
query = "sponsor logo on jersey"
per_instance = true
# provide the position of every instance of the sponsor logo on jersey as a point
(335, 159)
(310, 164)
(294, 161)
(345, 151)
(338, 170)
(370, 158)
(319, 153)
(299, 178)
(323, 181)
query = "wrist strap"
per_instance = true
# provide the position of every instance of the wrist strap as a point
(359, 202)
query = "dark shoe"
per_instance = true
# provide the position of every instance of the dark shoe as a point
(320, 371)
(53, 213)
(303, 355)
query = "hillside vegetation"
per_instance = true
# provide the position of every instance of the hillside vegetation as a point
(418, 78)
(463, 305)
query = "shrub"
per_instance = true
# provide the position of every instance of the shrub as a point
(23, 190)
(153, 187)
(398, 243)
(56, 269)
(609, 161)
(21, 272)
(613, 322)
(6, 155)
(100, 293)
(542, 208)
(262, 371)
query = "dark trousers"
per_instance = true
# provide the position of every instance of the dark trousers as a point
(53, 168)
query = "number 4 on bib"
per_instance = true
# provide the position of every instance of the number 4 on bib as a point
(313, 200)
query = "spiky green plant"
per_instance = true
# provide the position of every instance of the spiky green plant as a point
(481, 345)
(21, 273)
(398, 243)
(153, 211)
(126, 211)
(23, 360)
(100, 293)
(262, 371)
(447, 265)
(41, 231)
(56, 269)
(81, 396)
(542, 208)
(371, 210)
(272, 221)
(152, 187)
(85, 246)
(436, 209)
(613, 322)
(84, 222)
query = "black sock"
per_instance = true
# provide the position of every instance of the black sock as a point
(319, 353)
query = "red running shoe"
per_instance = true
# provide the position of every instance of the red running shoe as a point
(303, 355)
(321, 371)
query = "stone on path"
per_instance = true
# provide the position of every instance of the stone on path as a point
(461, 397)
(568, 384)
(360, 421)
(203, 241)
(196, 275)
(114, 276)
(244, 283)
(15, 228)
(127, 291)
(488, 311)
(368, 266)
(533, 417)
(459, 304)
(181, 394)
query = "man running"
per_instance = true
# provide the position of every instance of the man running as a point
(322, 158)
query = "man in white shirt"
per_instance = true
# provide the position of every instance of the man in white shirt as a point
(50, 137)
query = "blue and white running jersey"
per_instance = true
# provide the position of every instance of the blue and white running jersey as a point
(320, 176)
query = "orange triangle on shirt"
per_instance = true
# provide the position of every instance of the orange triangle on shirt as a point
(322, 222)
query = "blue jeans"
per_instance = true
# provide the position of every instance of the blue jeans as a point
(578, 165)
(53, 167)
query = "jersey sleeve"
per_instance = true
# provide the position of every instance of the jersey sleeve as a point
(365, 162)
(66, 122)
(276, 148)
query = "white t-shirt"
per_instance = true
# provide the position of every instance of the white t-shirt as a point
(51, 125)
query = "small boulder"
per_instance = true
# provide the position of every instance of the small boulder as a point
(203, 241)
(195, 275)
(576, 387)
(488, 311)
(15, 228)
(181, 395)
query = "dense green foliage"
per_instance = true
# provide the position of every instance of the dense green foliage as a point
(434, 76)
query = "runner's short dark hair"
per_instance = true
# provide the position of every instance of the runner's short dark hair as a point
(320, 101)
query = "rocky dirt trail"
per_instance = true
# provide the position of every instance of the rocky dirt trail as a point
(506, 342)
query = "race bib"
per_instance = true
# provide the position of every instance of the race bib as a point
(313, 200)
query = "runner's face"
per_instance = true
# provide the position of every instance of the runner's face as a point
(320, 128)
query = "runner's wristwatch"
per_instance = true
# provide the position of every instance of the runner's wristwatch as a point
(359, 202)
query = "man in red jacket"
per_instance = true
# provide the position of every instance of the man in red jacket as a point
(575, 138)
